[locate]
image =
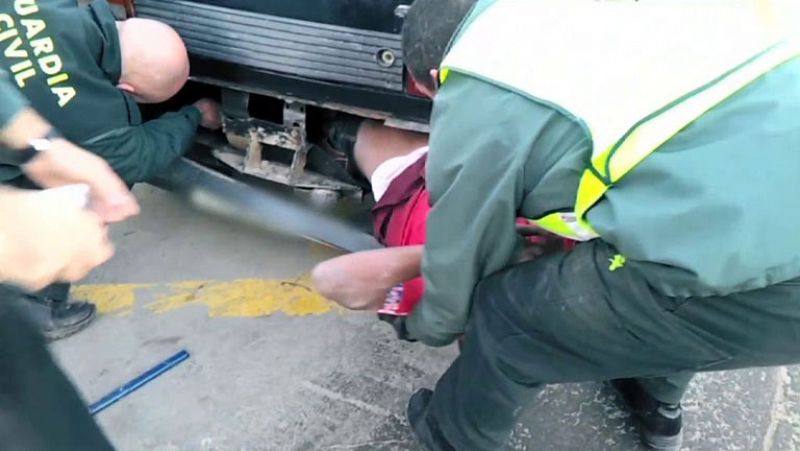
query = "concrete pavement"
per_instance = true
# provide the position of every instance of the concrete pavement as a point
(276, 367)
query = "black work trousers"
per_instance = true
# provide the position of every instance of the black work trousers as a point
(39, 409)
(568, 318)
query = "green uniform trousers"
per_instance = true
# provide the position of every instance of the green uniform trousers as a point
(39, 409)
(567, 317)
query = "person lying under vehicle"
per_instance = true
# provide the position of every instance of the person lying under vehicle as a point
(388, 280)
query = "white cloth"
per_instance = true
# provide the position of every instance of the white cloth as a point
(387, 171)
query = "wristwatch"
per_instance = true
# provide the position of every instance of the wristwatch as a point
(19, 157)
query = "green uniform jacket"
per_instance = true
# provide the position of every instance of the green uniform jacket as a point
(11, 101)
(713, 211)
(66, 60)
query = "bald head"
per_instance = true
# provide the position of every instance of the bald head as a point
(155, 64)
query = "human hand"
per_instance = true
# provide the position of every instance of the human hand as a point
(48, 238)
(211, 114)
(361, 280)
(66, 164)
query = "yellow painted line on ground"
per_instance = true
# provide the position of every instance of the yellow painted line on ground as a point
(110, 299)
(238, 298)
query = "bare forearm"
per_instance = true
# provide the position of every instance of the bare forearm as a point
(22, 128)
(362, 280)
(12, 102)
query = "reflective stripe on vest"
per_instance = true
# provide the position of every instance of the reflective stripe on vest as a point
(621, 97)
(645, 138)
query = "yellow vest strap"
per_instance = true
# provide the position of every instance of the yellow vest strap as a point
(566, 225)
(648, 136)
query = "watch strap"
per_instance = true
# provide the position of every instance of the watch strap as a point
(19, 157)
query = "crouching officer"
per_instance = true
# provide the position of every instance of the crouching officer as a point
(85, 73)
(662, 134)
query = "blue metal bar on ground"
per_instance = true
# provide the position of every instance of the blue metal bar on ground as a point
(137, 383)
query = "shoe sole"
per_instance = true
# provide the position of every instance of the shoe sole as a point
(64, 332)
(660, 443)
(657, 443)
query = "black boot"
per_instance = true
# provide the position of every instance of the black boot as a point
(57, 319)
(340, 137)
(660, 424)
(341, 134)
(427, 431)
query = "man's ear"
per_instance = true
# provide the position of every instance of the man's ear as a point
(434, 73)
(127, 88)
(435, 76)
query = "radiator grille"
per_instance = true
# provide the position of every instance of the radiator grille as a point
(276, 44)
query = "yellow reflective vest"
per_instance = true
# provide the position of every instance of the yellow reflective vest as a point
(634, 74)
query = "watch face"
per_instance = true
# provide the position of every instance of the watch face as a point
(41, 145)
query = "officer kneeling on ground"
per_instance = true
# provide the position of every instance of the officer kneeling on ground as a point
(85, 72)
(673, 155)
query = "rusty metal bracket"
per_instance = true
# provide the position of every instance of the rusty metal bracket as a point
(282, 173)
(253, 137)
(242, 130)
(252, 161)
(294, 119)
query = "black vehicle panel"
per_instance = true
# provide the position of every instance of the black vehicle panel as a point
(270, 47)
(375, 15)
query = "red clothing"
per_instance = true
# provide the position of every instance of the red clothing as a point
(399, 220)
